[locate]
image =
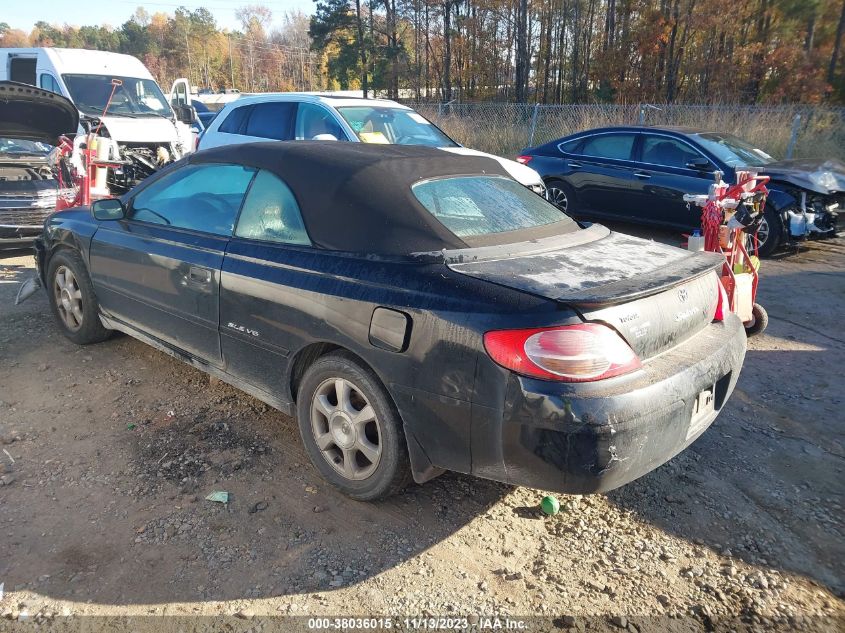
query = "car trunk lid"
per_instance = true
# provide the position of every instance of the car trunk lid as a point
(655, 296)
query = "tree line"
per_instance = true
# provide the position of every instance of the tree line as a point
(254, 58)
(583, 51)
(525, 51)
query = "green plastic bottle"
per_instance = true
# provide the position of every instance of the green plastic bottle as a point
(550, 505)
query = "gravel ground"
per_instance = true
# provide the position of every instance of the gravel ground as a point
(109, 451)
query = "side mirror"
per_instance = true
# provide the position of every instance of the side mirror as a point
(699, 164)
(108, 209)
(186, 114)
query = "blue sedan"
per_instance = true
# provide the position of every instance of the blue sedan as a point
(640, 174)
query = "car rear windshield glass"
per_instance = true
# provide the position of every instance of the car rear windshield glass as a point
(733, 151)
(472, 206)
(12, 146)
(393, 126)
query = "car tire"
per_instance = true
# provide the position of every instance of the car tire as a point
(759, 320)
(562, 195)
(72, 299)
(771, 228)
(364, 456)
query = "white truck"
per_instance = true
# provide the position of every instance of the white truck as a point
(138, 132)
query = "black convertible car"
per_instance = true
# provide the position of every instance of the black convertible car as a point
(640, 174)
(415, 311)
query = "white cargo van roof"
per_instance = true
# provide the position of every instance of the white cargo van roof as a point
(76, 61)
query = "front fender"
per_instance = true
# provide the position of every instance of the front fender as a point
(72, 229)
(780, 200)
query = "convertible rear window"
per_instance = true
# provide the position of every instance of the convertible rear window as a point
(476, 206)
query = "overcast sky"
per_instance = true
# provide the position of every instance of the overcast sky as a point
(24, 14)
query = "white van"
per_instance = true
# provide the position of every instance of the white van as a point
(144, 131)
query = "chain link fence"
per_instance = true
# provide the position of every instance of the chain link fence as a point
(507, 128)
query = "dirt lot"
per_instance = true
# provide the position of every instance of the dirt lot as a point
(115, 447)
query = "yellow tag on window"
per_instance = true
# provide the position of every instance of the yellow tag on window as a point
(373, 137)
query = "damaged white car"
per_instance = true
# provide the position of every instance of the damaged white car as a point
(118, 100)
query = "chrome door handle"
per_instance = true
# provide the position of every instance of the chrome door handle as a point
(640, 174)
(574, 164)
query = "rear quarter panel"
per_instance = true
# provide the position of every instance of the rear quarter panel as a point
(550, 165)
(296, 297)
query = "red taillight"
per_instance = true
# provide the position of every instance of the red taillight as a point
(722, 305)
(571, 353)
(524, 159)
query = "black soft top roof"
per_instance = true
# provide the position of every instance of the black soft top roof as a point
(357, 197)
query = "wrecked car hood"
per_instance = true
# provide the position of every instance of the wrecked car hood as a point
(140, 130)
(33, 114)
(816, 174)
(593, 267)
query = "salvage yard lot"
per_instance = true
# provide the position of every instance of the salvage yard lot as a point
(116, 445)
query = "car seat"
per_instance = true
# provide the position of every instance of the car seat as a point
(321, 125)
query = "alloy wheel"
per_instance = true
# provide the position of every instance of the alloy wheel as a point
(68, 298)
(346, 428)
(558, 198)
(762, 233)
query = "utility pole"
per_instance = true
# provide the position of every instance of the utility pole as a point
(231, 66)
(190, 67)
(310, 66)
(837, 44)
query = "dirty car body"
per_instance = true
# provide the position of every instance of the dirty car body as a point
(483, 339)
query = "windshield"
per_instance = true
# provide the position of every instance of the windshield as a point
(393, 126)
(136, 97)
(12, 146)
(733, 150)
(471, 206)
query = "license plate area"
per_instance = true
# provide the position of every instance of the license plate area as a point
(702, 411)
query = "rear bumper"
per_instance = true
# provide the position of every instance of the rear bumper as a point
(594, 437)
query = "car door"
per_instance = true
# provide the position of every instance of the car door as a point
(601, 174)
(180, 93)
(668, 168)
(264, 305)
(158, 269)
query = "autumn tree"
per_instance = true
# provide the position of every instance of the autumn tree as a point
(543, 51)
(339, 26)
